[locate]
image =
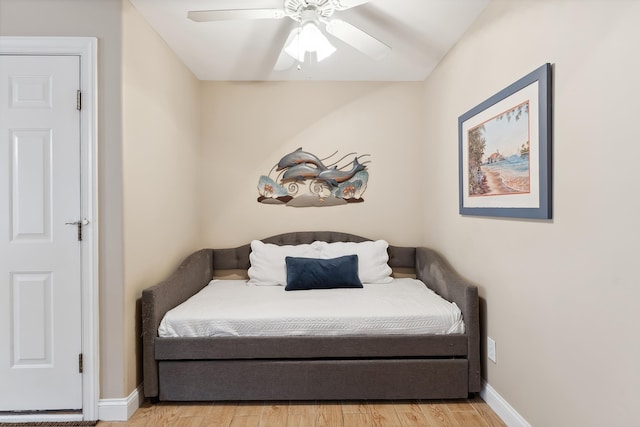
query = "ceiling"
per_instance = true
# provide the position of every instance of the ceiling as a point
(419, 32)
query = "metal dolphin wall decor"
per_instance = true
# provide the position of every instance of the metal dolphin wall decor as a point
(302, 179)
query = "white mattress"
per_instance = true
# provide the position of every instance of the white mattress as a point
(237, 308)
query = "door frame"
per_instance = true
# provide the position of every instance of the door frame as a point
(86, 49)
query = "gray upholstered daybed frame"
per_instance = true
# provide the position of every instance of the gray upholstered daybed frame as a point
(309, 368)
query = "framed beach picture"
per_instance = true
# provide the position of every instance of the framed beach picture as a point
(505, 151)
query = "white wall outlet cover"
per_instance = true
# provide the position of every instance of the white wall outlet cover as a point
(491, 349)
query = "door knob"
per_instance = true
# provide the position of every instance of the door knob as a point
(79, 224)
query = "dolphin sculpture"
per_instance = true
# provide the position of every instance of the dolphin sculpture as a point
(301, 172)
(297, 157)
(334, 176)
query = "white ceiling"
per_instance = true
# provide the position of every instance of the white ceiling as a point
(420, 33)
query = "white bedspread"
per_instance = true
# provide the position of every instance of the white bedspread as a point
(236, 308)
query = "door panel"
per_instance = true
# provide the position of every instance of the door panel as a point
(31, 327)
(40, 256)
(31, 181)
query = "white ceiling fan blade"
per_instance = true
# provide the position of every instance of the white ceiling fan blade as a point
(286, 61)
(233, 14)
(357, 38)
(348, 4)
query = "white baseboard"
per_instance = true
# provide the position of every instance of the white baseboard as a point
(120, 409)
(501, 407)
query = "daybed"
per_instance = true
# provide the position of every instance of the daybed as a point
(385, 366)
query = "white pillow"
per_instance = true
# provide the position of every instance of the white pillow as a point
(372, 258)
(267, 260)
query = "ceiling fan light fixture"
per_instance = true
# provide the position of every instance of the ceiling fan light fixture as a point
(309, 38)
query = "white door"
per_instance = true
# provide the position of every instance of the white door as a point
(40, 256)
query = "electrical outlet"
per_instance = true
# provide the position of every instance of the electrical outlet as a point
(491, 349)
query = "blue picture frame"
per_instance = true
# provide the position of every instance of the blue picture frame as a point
(514, 182)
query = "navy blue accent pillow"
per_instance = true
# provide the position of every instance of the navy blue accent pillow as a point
(314, 273)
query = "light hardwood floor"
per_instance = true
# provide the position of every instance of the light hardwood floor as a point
(451, 413)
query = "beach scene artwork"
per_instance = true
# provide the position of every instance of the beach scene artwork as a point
(499, 154)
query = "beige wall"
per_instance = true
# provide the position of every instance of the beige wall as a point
(561, 296)
(101, 19)
(248, 127)
(160, 162)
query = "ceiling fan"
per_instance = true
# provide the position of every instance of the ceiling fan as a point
(307, 36)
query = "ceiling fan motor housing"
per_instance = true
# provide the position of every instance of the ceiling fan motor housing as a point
(304, 10)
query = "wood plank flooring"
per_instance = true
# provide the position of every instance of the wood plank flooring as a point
(426, 413)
